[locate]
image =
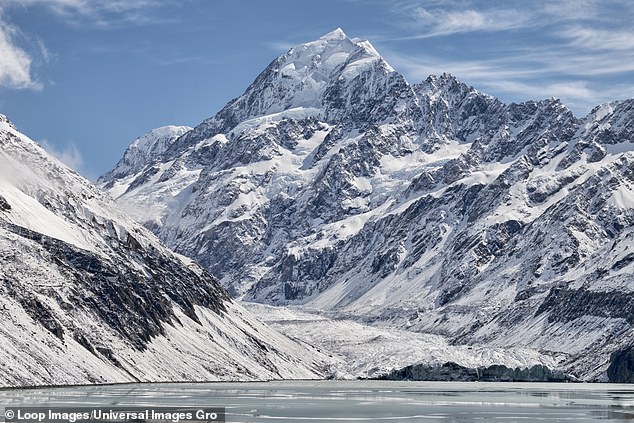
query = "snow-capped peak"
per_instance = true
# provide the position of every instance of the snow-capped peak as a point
(147, 148)
(337, 34)
(331, 73)
(318, 60)
(150, 139)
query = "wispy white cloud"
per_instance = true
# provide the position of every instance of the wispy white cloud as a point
(519, 66)
(434, 18)
(419, 66)
(103, 14)
(280, 45)
(69, 154)
(576, 91)
(580, 96)
(599, 39)
(577, 79)
(565, 10)
(15, 62)
(17, 58)
(438, 22)
(43, 51)
(581, 51)
(184, 60)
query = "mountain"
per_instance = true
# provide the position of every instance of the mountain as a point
(146, 148)
(335, 184)
(89, 296)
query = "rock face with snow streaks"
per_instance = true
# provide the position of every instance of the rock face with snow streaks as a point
(335, 183)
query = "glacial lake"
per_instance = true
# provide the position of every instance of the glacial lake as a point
(357, 401)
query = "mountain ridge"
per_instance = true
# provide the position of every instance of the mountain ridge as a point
(406, 205)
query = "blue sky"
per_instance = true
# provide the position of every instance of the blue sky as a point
(86, 77)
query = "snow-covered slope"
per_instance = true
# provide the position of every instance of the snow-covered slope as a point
(335, 183)
(146, 148)
(89, 296)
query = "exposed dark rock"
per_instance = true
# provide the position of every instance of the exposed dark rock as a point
(621, 263)
(40, 313)
(621, 369)
(81, 340)
(130, 302)
(494, 373)
(4, 204)
(564, 305)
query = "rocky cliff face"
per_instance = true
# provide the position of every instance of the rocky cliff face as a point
(89, 296)
(335, 183)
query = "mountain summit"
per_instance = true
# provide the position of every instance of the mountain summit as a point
(333, 182)
(344, 79)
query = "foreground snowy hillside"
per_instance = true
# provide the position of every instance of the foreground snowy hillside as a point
(89, 296)
(333, 182)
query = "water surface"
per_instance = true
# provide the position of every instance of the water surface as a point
(361, 401)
